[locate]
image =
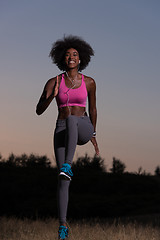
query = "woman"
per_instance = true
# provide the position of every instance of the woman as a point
(71, 90)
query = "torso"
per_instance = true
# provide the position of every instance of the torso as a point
(63, 112)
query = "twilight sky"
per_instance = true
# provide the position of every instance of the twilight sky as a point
(126, 67)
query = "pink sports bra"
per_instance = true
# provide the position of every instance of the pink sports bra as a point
(71, 97)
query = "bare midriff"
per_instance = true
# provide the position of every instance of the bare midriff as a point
(64, 112)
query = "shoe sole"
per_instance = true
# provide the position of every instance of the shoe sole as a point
(64, 174)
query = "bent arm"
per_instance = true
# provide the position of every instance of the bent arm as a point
(49, 92)
(91, 87)
(92, 103)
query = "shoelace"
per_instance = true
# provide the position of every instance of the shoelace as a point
(67, 169)
(63, 232)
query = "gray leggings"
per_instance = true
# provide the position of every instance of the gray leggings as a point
(68, 134)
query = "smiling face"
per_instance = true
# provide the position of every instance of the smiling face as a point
(72, 58)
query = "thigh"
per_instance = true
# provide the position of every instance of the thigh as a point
(59, 142)
(85, 130)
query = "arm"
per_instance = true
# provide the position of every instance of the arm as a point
(49, 92)
(91, 87)
(92, 103)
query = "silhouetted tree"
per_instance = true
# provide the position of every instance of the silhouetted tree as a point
(92, 163)
(40, 161)
(2, 160)
(28, 161)
(11, 160)
(98, 163)
(139, 170)
(157, 171)
(118, 167)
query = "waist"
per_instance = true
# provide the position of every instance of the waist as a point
(71, 105)
(78, 111)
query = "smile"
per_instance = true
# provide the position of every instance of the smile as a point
(71, 61)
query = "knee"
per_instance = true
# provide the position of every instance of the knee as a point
(83, 141)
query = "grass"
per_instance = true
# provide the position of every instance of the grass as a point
(142, 228)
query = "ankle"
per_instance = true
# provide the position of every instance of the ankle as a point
(63, 224)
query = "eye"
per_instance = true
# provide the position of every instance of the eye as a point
(75, 53)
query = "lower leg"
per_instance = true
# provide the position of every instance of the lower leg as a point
(63, 189)
(63, 185)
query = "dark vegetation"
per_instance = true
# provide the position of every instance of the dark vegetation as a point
(28, 186)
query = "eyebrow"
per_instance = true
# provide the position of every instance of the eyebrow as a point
(73, 52)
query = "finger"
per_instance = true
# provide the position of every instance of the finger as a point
(56, 82)
(97, 150)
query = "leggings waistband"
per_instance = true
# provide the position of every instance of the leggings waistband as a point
(63, 121)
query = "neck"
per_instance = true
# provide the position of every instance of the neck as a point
(72, 73)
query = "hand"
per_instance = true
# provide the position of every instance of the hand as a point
(94, 142)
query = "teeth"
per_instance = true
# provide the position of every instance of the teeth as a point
(71, 62)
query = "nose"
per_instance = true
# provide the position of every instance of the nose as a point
(71, 57)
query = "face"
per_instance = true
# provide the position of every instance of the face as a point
(72, 58)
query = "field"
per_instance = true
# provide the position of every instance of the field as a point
(142, 228)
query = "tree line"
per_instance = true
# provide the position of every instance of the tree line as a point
(28, 186)
(95, 162)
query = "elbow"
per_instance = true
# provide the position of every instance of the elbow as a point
(38, 112)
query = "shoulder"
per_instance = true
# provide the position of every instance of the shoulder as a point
(51, 81)
(90, 82)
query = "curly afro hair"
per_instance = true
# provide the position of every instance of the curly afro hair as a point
(60, 47)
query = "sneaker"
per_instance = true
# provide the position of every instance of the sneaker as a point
(66, 171)
(63, 232)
